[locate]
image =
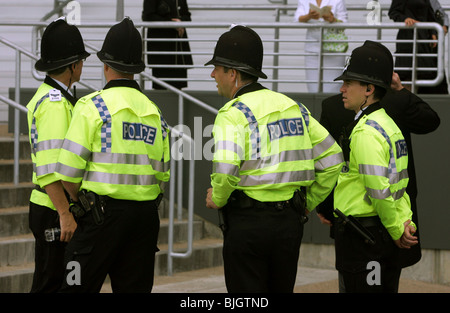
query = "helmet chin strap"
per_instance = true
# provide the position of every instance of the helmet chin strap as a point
(70, 82)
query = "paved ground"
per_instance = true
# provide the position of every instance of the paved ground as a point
(309, 280)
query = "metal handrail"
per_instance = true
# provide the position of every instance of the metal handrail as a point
(57, 9)
(171, 253)
(276, 54)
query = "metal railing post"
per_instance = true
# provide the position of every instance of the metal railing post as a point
(17, 120)
(180, 161)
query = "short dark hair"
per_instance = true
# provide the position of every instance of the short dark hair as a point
(59, 70)
(378, 93)
(246, 77)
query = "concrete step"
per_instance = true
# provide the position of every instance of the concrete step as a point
(12, 195)
(16, 279)
(7, 170)
(180, 231)
(17, 242)
(7, 148)
(207, 253)
(14, 221)
(16, 250)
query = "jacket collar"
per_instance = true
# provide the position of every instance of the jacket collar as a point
(122, 83)
(249, 88)
(52, 83)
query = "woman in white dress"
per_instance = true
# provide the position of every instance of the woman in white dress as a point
(304, 14)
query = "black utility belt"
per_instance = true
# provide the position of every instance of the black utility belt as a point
(240, 200)
(90, 201)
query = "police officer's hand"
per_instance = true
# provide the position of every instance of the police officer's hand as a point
(209, 203)
(323, 220)
(68, 226)
(407, 240)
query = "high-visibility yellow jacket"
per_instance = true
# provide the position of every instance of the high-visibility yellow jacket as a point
(49, 115)
(117, 145)
(268, 146)
(377, 175)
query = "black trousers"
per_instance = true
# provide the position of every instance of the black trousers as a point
(123, 247)
(48, 256)
(365, 268)
(261, 248)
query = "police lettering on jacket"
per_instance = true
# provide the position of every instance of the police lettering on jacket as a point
(285, 127)
(139, 132)
(402, 148)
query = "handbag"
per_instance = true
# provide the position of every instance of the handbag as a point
(338, 40)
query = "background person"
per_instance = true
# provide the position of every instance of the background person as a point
(175, 11)
(304, 14)
(411, 12)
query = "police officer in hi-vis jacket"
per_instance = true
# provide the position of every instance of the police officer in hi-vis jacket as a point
(49, 116)
(371, 189)
(114, 162)
(273, 163)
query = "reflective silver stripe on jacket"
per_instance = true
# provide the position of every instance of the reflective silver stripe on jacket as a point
(283, 156)
(121, 179)
(390, 172)
(383, 194)
(277, 178)
(44, 169)
(377, 170)
(77, 149)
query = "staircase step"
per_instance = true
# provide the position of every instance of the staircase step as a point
(180, 231)
(16, 250)
(16, 279)
(205, 253)
(12, 195)
(7, 170)
(14, 221)
(7, 148)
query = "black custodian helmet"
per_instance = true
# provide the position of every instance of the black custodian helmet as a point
(371, 63)
(122, 48)
(61, 45)
(240, 48)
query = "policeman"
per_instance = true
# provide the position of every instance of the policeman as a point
(372, 188)
(49, 115)
(267, 148)
(114, 158)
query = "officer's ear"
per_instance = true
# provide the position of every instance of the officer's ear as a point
(370, 89)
